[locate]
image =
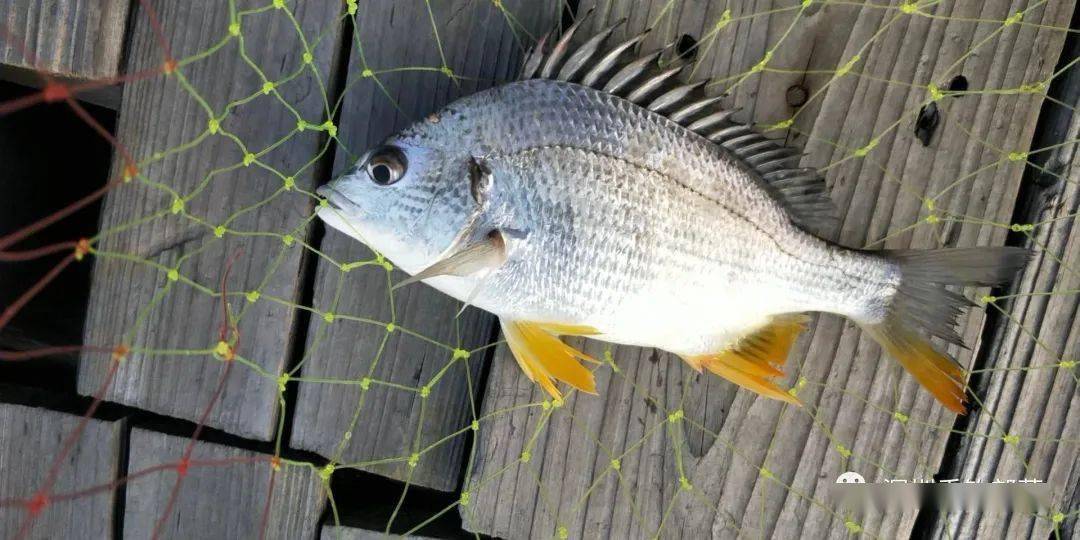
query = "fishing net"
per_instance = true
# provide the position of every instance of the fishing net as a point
(218, 298)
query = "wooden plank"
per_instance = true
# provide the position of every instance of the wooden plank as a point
(76, 38)
(1031, 391)
(31, 439)
(135, 303)
(223, 493)
(345, 422)
(773, 468)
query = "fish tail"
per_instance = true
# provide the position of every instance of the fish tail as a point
(922, 306)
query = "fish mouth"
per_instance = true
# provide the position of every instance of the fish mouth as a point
(334, 198)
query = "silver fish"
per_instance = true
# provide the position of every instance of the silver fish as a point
(618, 203)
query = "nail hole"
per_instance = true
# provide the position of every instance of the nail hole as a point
(797, 95)
(687, 47)
(958, 84)
(926, 123)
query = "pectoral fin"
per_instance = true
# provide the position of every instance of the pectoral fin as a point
(486, 254)
(753, 360)
(545, 358)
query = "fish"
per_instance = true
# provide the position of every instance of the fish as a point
(599, 195)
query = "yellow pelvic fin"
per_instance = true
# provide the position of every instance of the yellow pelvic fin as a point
(936, 372)
(545, 358)
(756, 358)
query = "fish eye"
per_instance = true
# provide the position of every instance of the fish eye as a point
(386, 165)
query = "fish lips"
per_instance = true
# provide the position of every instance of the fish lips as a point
(336, 199)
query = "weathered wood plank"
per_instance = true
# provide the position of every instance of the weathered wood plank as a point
(139, 304)
(1032, 391)
(30, 441)
(348, 423)
(77, 38)
(760, 468)
(223, 493)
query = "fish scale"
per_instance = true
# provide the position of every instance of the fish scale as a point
(633, 209)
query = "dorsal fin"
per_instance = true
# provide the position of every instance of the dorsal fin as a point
(623, 71)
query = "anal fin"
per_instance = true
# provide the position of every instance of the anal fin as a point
(545, 358)
(757, 358)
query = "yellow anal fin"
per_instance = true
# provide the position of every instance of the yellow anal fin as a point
(545, 358)
(755, 359)
(936, 372)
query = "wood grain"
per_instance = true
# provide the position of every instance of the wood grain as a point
(30, 440)
(755, 467)
(1030, 394)
(137, 304)
(383, 423)
(223, 494)
(76, 38)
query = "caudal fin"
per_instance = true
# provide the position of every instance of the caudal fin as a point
(923, 306)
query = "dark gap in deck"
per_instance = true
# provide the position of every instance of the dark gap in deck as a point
(370, 501)
(50, 158)
(119, 494)
(1037, 188)
(74, 404)
(323, 171)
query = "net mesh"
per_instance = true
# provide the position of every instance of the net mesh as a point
(665, 449)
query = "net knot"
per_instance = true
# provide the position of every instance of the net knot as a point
(326, 472)
(37, 503)
(54, 92)
(130, 171)
(725, 19)
(224, 351)
(846, 68)
(120, 352)
(82, 247)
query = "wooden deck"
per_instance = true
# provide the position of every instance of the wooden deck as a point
(259, 378)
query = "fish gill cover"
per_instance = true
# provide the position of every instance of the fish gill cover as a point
(293, 388)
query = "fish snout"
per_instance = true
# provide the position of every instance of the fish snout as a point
(332, 196)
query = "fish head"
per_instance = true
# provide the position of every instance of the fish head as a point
(407, 198)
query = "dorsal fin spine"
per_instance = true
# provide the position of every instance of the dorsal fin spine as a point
(584, 53)
(652, 84)
(644, 82)
(628, 73)
(694, 107)
(559, 51)
(609, 60)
